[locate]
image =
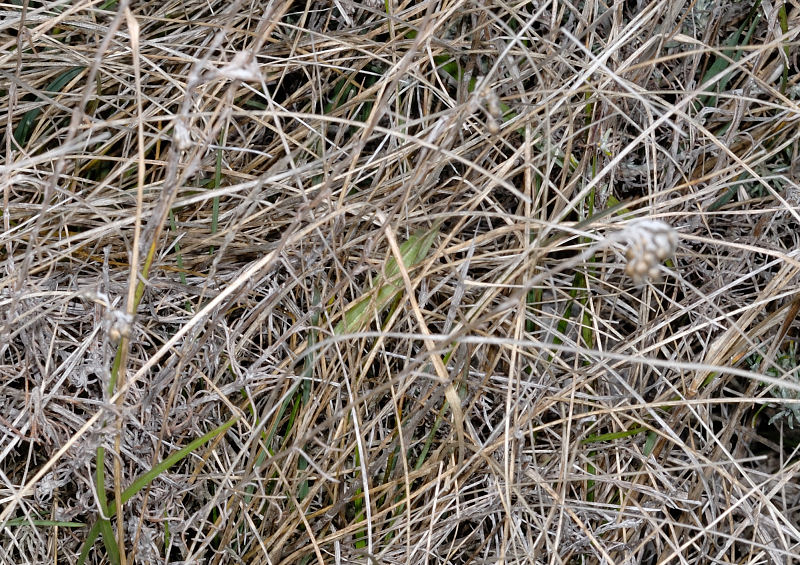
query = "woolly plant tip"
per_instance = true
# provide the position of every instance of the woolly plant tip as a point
(649, 243)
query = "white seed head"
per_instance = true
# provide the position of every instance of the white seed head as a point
(181, 135)
(243, 67)
(492, 126)
(119, 324)
(493, 103)
(649, 242)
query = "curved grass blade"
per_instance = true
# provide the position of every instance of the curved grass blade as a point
(24, 128)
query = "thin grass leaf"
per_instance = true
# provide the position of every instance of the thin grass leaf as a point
(26, 126)
(728, 57)
(142, 482)
(16, 522)
(109, 539)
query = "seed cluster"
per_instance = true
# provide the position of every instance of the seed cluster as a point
(649, 243)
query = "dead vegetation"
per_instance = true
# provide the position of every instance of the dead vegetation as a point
(356, 282)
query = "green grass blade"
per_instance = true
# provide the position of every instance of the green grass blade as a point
(109, 540)
(729, 56)
(26, 126)
(412, 251)
(142, 482)
(43, 523)
(613, 435)
(148, 477)
(650, 443)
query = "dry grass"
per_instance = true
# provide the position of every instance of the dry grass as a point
(196, 192)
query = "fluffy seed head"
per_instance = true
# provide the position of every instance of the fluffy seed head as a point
(649, 242)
